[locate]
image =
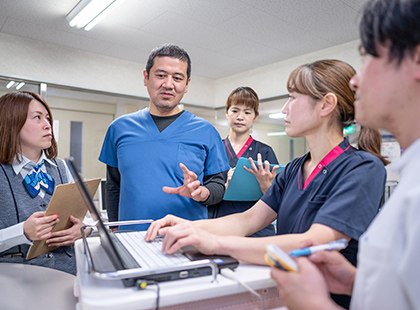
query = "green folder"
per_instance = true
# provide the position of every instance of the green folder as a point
(244, 186)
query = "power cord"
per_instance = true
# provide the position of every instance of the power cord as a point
(230, 274)
(143, 284)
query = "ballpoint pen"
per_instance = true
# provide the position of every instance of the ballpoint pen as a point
(333, 245)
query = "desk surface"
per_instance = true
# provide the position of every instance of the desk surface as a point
(102, 294)
(34, 287)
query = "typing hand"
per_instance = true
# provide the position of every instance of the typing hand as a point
(156, 228)
(184, 234)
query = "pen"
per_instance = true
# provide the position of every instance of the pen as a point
(333, 245)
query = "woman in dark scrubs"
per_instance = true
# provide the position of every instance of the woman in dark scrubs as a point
(241, 112)
(332, 192)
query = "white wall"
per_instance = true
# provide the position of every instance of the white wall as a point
(39, 61)
(34, 60)
(270, 81)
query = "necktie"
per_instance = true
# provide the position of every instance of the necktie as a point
(37, 179)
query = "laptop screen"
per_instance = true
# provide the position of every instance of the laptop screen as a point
(105, 237)
(108, 242)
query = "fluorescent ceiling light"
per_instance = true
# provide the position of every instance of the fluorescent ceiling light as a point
(277, 133)
(87, 13)
(277, 115)
(10, 84)
(20, 85)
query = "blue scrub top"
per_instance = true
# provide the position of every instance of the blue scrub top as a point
(148, 160)
(345, 194)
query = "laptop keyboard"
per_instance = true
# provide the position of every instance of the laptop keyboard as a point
(148, 253)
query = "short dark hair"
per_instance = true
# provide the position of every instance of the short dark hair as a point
(243, 95)
(393, 22)
(169, 50)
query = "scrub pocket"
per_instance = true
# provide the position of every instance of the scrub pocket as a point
(310, 213)
(193, 157)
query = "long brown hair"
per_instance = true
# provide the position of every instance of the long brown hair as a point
(321, 77)
(13, 114)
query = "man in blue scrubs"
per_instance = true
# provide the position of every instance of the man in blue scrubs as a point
(163, 160)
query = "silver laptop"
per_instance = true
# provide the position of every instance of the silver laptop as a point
(139, 260)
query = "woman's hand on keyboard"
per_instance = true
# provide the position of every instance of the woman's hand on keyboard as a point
(159, 227)
(186, 233)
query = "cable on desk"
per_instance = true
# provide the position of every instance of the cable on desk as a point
(142, 284)
(230, 274)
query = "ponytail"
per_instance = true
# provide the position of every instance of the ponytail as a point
(321, 77)
(370, 141)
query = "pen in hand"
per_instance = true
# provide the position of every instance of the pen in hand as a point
(333, 245)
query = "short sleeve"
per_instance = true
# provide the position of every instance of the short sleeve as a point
(216, 160)
(354, 201)
(109, 149)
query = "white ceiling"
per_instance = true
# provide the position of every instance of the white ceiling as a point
(223, 37)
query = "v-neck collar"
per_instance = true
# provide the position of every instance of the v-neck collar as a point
(232, 153)
(333, 154)
(153, 129)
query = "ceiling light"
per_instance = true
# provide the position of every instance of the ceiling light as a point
(20, 85)
(10, 84)
(277, 133)
(87, 13)
(277, 115)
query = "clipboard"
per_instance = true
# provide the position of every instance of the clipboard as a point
(244, 185)
(65, 201)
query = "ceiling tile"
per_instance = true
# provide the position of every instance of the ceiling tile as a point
(41, 33)
(225, 37)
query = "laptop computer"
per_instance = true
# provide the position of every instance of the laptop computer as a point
(128, 250)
